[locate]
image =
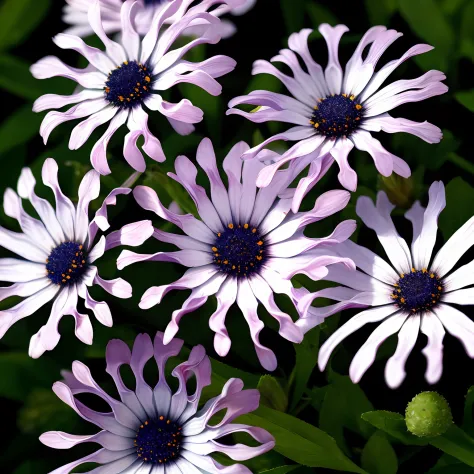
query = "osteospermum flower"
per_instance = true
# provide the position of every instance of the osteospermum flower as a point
(335, 110)
(75, 14)
(120, 84)
(57, 253)
(246, 247)
(153, 430)
(411, 294)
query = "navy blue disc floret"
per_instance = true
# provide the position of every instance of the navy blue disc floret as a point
(239, 250)
(337, 115)
(128, 85)
(66, 264)
(417, 291)
(158, 441)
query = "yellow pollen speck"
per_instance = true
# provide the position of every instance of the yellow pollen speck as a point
(260, 242)
(147, 79)
(432, 275)
(413, 270)
(254, 230)
(214, 249)
(231, 226)
(402, 275)
(246, 226)
(358, 106)
(402, 300)
(226, 262)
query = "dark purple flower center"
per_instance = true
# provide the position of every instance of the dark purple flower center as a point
(158, 441)
(417, 291)
(239, 250)
(66, 264)
(337, 116)
(128, 85)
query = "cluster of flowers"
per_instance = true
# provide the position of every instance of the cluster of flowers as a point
(250, 240)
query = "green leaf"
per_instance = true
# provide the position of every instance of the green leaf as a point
(320, 14)
(378, 456)
(18, 128)
(342, 407)
(156, 179)
(393, 424)
(380, 11)
(300, 441)
(428, 22)
(31, 467)
(466, 98)
(466, 32)
(456, 443)
(18, 18)
(20, 373)
(457, 211)
(293, 14)
(306, 360)
(272, 394)
(453, 469)
(15, 77)
(280, 470)
(468, 420)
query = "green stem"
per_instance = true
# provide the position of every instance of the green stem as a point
(461, 162)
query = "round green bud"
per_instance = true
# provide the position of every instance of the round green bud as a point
(428, 415)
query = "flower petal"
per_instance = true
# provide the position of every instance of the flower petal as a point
(365, 356)
(432, 328)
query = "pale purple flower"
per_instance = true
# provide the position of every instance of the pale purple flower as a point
(120, 84)
(75, 14)
(56, 256)
(412, 293)
(246, 247)
(334, 110)
(153, 430)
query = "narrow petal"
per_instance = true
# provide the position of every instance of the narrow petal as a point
(192, 278)
(460, 278)
(347, 176)
(248, 305)
(407, 336)
(365, 356)
(457, 245)
(424, 244)
(458, 325)
(426, 131)
(99, 151)
(206, 158)
(226, 297)
(26, 308)
(378, 219)
(333, 72)
(372, 315)
(22, 245)
(432, 328)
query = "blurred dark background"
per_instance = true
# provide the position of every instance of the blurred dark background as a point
(28, 405)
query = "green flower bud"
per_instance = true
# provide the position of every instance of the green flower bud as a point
(428, 415)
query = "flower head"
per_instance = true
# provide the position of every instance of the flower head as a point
(154, 429)
(335, 110)
(247, 246)
(75, 15)
(57, 254)
(122, 82)
(412, 293)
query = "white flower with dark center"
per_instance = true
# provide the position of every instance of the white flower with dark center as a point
(154, 430)
(57, 254)
(122, 82)
(75, 14)
(412, 294)
(335, 110)
(246, 247)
